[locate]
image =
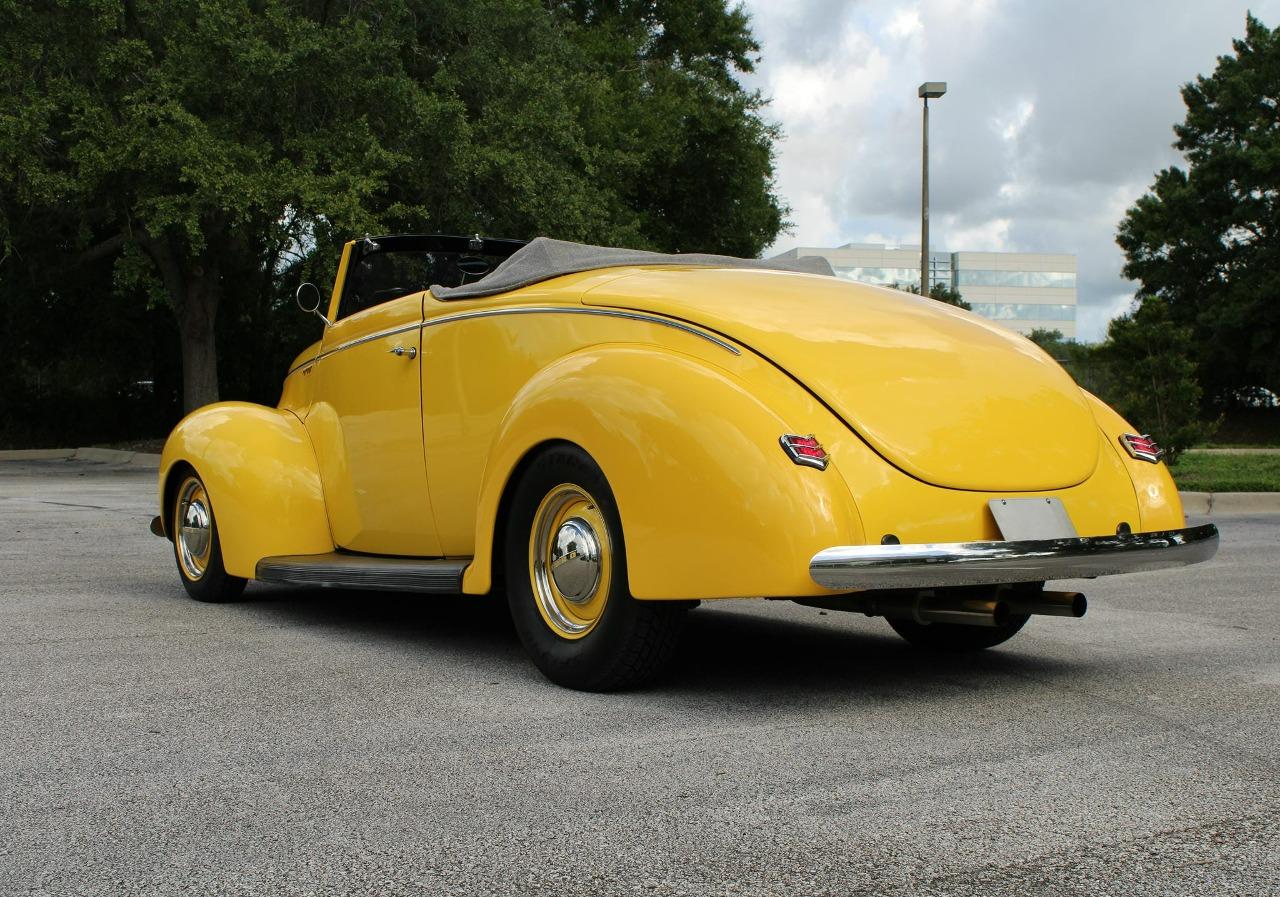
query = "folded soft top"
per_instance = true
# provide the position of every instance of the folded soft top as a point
(544, 258)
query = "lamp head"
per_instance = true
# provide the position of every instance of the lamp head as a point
(931, 90)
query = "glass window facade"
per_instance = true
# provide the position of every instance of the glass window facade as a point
(977, 277)
(939, 272)
(1028, 311)
(883, 276)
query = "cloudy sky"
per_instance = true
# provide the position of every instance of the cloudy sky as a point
(1056, 118)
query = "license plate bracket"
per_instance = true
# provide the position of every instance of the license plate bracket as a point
(1032, 519)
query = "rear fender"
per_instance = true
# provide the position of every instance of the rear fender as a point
(710, 504)
(260, 471)
(1159, 505)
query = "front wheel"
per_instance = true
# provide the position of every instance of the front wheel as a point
(566, 575)
(196, 546)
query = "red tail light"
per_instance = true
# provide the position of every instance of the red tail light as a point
(805, 451)
(1143, 447)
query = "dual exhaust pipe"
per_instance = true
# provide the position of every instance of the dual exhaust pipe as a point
(990, 606)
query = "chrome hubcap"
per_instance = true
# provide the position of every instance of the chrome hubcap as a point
(575, 560)
(195, 529)
(570, 561)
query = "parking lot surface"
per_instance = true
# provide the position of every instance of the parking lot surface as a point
(305, 742)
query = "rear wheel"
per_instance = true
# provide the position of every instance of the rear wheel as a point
(566, 577)
(196, 547)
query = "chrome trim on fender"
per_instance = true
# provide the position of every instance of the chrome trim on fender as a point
(305, 364)
(368, 338)
(525, 310)
(984, 563)
(576, 310)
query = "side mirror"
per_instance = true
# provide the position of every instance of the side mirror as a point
(308, 298)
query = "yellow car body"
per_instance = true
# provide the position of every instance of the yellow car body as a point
(401, 432)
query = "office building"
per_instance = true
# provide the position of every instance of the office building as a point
(1023, 291)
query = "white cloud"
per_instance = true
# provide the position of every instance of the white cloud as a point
(1096, 316)
(904, 24)
(1056, 119)
(1012, 123)
(991, 235)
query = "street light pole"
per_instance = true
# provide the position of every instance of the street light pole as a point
(928, 90)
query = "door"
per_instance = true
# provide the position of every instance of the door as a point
(366, 424)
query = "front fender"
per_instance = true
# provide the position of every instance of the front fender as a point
(710, 504)
(259, 468)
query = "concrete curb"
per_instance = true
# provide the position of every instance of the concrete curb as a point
(36, 454)
(103, 455)
(1196, 504)
(86, 453)
(1225, 504)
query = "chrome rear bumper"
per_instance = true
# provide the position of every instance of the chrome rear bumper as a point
(981, 563)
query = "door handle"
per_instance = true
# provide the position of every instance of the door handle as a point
(411, 351)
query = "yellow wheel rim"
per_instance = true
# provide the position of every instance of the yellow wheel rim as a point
(570, 561)
(193, 522)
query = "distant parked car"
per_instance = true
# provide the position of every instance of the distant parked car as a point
(1250, 397)
(609, 437)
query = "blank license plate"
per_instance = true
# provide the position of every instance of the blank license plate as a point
(1030, 519)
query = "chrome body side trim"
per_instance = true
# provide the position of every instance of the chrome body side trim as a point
(577, 310)
(984, 563)
(527, 310)
(355, 571)
(368, 338)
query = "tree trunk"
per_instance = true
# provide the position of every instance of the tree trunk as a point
(194, 289)
(199, 350)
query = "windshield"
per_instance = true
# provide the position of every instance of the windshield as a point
(385, 268)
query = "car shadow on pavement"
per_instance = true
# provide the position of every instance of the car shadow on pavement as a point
(730, 648)
(431, 620)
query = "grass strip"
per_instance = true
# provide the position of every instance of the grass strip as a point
(1204, 472)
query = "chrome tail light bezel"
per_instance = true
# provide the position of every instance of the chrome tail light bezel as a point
(805, 450)
(1142, 446)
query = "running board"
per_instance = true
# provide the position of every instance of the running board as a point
(358, 571)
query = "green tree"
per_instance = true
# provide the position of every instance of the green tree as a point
(1205, 241)
(1153, 379)
(1086, 362)
(1052, 341)
(211, 149)
(940, 291)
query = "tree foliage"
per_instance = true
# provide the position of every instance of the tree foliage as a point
(1152, 377)
(940, 291)
(212, 149)
(1143, 370)
(1205, 241)
(1086, 362)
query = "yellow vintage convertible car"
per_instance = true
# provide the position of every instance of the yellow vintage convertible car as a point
(608, 437)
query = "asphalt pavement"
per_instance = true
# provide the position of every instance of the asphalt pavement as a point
(305, 742)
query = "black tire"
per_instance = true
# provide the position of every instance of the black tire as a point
(200, 562)
(628, 642)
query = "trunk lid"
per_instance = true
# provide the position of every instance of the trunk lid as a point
(940, 393)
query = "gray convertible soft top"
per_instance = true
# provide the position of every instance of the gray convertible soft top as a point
(545, 258)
